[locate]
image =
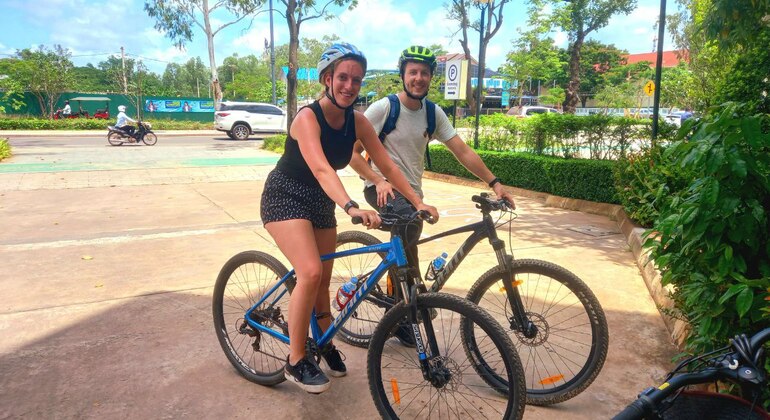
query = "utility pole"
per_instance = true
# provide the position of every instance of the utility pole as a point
(272, 53)
(481, 71)
(658, 71)
(123, 60)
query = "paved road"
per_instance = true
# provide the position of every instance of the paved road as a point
(109, 257)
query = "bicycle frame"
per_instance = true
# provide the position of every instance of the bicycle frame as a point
(395, 256)
(479, 231)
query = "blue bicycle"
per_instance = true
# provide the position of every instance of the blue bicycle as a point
(463, 366)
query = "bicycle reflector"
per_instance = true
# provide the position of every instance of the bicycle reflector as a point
(515, 283)
(396, 394)
(551, 380)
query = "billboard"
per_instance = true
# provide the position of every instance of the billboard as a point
(178, 105)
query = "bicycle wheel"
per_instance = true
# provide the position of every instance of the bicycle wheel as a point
(358, 329)
(243, 280)
(114, 138)
(454, 390)
(150, 139)
(570, 346)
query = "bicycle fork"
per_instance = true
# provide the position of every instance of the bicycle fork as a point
(519, 320)
(434, 369)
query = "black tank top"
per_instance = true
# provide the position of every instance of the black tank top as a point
(337, 146)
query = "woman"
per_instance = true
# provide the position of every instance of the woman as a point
(298, 200)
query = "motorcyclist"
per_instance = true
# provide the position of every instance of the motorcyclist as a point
(123, 121)
(67, 110)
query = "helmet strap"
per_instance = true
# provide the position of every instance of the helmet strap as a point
(331, 96)
(409, 94)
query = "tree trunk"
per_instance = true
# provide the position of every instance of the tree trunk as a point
(573, 88)
(215, 87)
(291, 77)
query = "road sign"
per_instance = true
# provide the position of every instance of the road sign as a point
(455, 76)
(649, 88)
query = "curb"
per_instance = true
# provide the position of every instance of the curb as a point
(677, 328)
(100, 133)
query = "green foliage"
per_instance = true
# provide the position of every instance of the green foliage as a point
(594, 136)
(574, 178)
(710, 240)
(5, 149)
(44, 72)
(93, 124)
(749, 81)
(644, 180)
(274, 143)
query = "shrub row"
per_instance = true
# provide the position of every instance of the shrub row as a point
(569, 136)
(274, 143)
(573, 178)
(10, 123)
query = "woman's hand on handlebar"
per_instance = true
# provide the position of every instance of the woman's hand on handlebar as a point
(369, 218)
(431, 211)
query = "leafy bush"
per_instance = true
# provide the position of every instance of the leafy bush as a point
(711, 239)
(5, 149)
(274, 143)
(574, 178)
(644, 180)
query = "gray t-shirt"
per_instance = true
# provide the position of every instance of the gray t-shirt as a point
(406, 143)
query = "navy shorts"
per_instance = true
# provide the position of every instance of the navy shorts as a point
(285, 198)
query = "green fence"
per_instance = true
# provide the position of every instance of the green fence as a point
(155, 107)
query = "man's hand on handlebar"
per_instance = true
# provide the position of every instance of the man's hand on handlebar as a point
(369, 218)
(501, 193)
(431, 211)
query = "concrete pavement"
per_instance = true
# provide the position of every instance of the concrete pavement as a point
(107, 277)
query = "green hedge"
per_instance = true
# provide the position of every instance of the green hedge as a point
(12, 123)
(5, 149)
(274, 143)
(583, 179)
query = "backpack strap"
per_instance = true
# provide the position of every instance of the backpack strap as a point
(390, 122)
(430, 112)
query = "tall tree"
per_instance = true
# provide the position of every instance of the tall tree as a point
(578, 18)
(44, 72)
(459, 10)
(178, 18)
(297, 12)
(532, 58)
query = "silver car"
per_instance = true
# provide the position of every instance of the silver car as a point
(241, 119)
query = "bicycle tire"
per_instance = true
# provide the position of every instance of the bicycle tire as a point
(150, 139)
(358, 329)
(569, 351)
(243, 280)
(391, 366)
(114, 138)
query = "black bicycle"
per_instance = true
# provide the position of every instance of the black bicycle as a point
(741, 363)
(559, 326)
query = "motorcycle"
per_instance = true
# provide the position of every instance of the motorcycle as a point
(143, 132)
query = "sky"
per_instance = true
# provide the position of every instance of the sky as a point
(93, 30)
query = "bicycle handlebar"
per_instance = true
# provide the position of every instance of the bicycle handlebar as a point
(391, 219)
(726, 366)
(487, 204)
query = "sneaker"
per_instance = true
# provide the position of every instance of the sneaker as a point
(334, 361)
(405, 335)
(307, 376)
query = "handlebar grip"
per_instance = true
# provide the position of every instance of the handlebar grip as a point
(634, 411)
(357, 220)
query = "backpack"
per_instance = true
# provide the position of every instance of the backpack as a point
(395, 109)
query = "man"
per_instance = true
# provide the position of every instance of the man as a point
(406, 143)
(67, 110)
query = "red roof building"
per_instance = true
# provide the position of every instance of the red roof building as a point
(670, 58)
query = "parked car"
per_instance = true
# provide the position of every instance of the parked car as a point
(241, 119)
(528, 111)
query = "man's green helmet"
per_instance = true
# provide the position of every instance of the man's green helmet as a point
(417, 54)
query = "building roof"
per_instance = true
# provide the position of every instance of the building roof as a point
(670, 58)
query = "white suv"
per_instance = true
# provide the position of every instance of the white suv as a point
(528, 111)
(241, 119)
